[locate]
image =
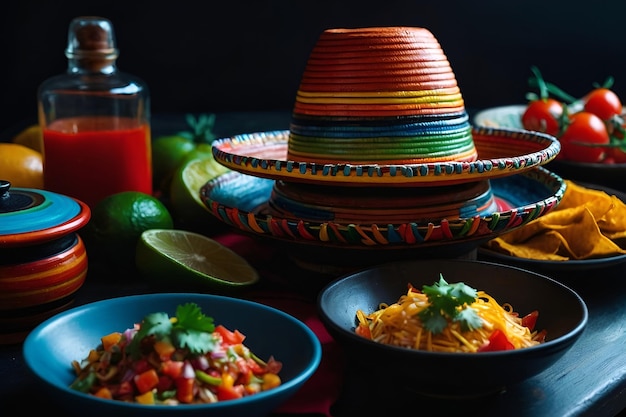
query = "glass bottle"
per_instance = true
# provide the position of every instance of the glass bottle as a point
(95, 120)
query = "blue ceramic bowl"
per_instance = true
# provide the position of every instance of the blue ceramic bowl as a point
(562, 313)
(52, 346)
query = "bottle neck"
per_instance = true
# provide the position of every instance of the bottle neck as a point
(91, 65)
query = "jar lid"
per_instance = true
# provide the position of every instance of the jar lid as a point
(30, 216)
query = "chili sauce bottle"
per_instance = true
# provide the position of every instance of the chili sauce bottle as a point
(95, 120)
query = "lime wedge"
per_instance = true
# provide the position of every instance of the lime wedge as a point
(183, 258)
(187, 207)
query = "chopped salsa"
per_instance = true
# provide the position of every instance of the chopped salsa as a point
(185, 359)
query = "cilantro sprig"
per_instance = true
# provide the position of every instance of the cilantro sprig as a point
(189, 329)
(449, 302)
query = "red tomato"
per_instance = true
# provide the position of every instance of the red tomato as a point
(230, 393)
(173, 369)
(497, 341)
(184, 389)
(604, 103)
(543, 115)
(364, 330)
(230, 337)
(616, 131)
(145, 381)
(530, 320)
(582, 135)
(618, 155)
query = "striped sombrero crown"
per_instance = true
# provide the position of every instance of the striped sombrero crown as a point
(380, 95)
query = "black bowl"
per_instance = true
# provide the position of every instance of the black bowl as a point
(562, 313)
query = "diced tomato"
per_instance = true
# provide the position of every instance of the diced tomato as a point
(146, 381)
(364, 330)
(184, 389)
(255, 367)
(245, 373)
(230, 337)
(497, 342)
(172, 368)
(530, 320)
(229, 393)
(227, 390)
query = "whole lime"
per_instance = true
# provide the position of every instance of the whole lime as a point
(168, 152)
(118, 220)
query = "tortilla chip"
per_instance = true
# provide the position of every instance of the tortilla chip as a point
(586, 224)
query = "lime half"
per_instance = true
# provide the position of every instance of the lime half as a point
(180, 257)
(187, 207)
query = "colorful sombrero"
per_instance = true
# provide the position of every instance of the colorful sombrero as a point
(380, 142)
(381, 106)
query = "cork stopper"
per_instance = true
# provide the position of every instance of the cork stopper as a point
(91, 36)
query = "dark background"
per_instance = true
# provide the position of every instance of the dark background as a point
(205, 56)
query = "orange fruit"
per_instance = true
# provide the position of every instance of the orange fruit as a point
(21, 166)
(31, 137)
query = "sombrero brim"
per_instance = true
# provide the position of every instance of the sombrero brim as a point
(501, 152)
(241, 201)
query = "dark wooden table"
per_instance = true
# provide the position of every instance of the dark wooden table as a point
(590, 380)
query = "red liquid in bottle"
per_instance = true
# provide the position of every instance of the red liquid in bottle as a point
(90, 157)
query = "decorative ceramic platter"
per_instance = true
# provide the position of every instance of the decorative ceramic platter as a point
(501, 152)
(241, 201)
(510, 117)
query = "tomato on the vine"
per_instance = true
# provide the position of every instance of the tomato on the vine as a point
(582, 139)
(604, 103)
(543, 115)
(617, 156)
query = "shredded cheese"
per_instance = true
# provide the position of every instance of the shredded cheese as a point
(398, 324)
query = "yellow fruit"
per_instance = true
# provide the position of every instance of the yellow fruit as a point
(31, 137)
(21, 166)
(184, 259)
(187, 207)
(118, 220)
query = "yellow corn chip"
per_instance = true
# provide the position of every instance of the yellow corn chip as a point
(586, 224)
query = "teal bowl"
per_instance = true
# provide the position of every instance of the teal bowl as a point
(52, 346)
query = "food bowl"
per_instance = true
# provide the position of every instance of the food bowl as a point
(562, 313)
(71, 334)
(43, 261)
